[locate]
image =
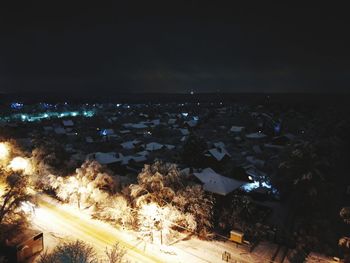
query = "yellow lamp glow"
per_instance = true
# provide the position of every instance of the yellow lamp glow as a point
(4, 151)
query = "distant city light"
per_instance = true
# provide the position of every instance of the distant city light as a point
(104, 132)
(254, 185)
(16, 105)
(46, 105)
(185, 114)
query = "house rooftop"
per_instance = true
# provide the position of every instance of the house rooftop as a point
(216, 183)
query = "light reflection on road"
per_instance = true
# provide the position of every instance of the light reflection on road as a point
(53, 218)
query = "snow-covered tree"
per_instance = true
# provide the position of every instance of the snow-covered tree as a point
(194, 201)
(117, 211)
(161, 187)
(90, 185)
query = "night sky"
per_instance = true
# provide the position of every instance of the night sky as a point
(175, 47)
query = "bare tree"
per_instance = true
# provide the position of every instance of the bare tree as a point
(73, 252)
(11, 198)
(46, 257)
(116, 254)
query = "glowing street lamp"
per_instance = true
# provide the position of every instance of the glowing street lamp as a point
(4, 151)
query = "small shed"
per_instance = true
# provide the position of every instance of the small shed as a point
(25, 245)
(236, 236)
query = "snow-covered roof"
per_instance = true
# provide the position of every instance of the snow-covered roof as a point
(89, 139)
(191, 123)
(237, 129)
(139, 126)
(143, 153)
(219, 145)
(273, 146)
(256, 135)
(155, 122)
(68, 123)
(107, 132)
(184, 131)
(126, 159)
(105, 158)
(60, 130)
(171, 121)
(129, 144)
(218, 153)
(216, 183)
(153, 146)
(169, 146)
(138, 158)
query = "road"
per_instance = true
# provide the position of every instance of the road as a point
(61, 222)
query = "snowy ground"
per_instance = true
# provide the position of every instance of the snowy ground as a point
(61, 222)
